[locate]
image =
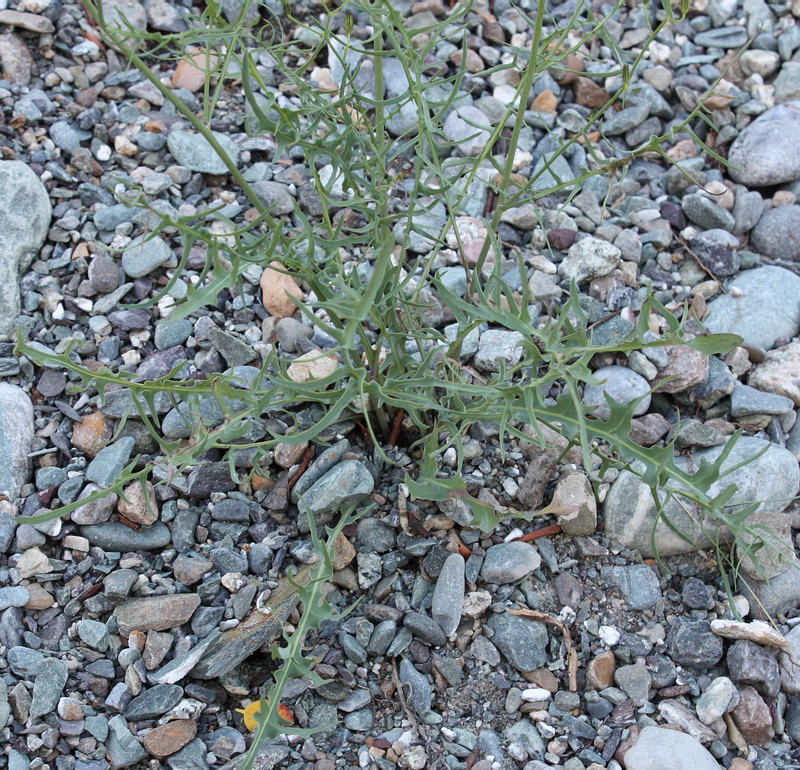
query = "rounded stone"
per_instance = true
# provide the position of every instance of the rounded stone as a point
(777, 233)
(509, 562)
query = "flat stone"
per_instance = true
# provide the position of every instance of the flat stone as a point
(635, 682)
(425, 628)
(170, 737)
(113, 536)
(13, 596)
(576, 504)
(16, 429)
(630, 511)
(789, 663)
(658, 747)
(498, 348)
(460, 129)
(509, 562)
(154, 702)
(194, 152)
(522, 641)
(763, 153)
(421, 690)
(756, 631)
(123, 749)
(16, 60)
(275, 197)
(753, 665)
(155, 612)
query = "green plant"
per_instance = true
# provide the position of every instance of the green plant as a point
(382, 187)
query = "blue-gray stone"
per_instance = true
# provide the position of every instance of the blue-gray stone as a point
(421, 690)
(764, 154)
(108, 463)
(154, 702)
(777, 233)
(763, 306)
(448, 594)
(347, 482)
(630, 513)
(194, 152)
(522, 641)
(24, 661)
(122, 747)
(638, 584)
(113, 536)
(48, 686)
(16, 434)
(13, 596)
(145, 254)
(622, 384)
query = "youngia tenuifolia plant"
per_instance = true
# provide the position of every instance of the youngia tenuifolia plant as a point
(386, 176)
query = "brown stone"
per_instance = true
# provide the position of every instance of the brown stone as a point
(40, 598)
(474, 61)
(649, 429)
(780, 372)
(589, 94)
(91, 435)
(546, 101)
(156, 613)
(687, 368)
(544, 678)
(600, 671)
(343, 552)
(137, 507)
(189, 570)
(753, 718)
(286, 455)
(275, 286)
(167, 739)
(16, 60)
(191, 73)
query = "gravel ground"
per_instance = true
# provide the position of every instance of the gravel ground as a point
(133, 646)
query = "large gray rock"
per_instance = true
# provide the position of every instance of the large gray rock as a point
(630, 512)
(658, 748)
(24, 219)
(761, 305)
(16, 434)
(765, 153)
(777, 233)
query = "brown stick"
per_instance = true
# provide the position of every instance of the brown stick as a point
(304, 463)
(553, 529)
(398, 423)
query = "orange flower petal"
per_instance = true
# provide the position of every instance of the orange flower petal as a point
(250, 713)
